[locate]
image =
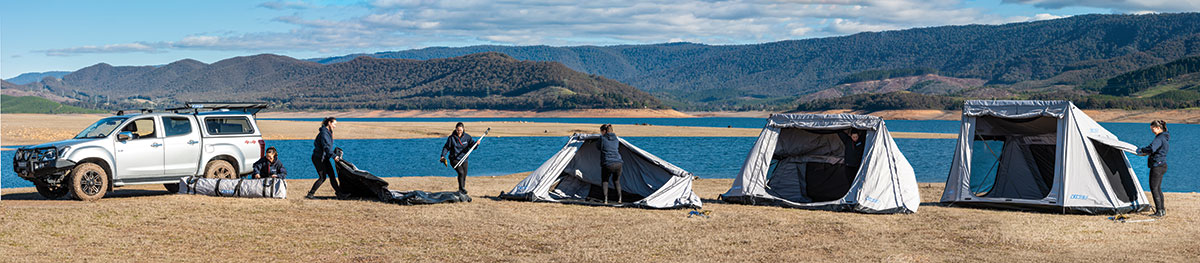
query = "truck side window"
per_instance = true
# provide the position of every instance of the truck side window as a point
(175, 126)
(228, 125)
(141, 128)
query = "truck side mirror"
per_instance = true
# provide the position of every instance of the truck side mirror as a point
(124, 136)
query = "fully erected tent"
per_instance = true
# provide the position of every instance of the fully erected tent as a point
(800, 160)
(1044, 155)
(574, 174)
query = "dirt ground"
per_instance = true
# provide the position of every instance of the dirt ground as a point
(26, 129)
(146, 223)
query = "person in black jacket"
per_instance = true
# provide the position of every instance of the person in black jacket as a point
(610, 161)
(855, 143)
(322, 152)
(269, 166)
(457, 145)
(1157, 150)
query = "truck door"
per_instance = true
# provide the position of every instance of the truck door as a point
(182, 145)
(142, 154)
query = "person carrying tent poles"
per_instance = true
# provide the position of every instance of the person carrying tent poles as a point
(1157, 150)
(458, 144)
(322, 152)
(610, 161)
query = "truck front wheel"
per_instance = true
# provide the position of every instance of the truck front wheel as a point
(88, 182)
(219, 169)
(50, 191)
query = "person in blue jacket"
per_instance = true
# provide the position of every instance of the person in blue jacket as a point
(322, 152)
(269, 166)
(456, 147)
(1157, 150)
(610, 161)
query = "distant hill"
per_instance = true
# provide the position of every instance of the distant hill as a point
(1182, 74)
(1036, 55)
(32, 104)
(31, 77)
(477, 81)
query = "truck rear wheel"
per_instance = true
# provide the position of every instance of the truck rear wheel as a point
(88, 182)
(219, 169)
(51, 191)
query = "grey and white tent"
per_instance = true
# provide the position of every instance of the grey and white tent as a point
(574, 174)
(1044, 155)
(800, 161)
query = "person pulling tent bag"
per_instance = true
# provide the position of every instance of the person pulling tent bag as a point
(264, 187)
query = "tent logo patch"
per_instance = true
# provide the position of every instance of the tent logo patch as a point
(872, 200)
(1079, 196)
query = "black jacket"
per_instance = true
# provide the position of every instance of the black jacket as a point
(457, 147)
(1157, 150)
(609, 149)
(323, 144)
(264, 168)
(854, 150)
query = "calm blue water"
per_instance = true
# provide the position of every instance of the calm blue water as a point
(716, 157)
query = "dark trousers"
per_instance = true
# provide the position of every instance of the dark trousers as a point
(324, 169)
(610, 171)
(1156, 176)
(462, 176)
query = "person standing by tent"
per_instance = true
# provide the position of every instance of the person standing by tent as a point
(1157, 150)
(610, 161)
(322, 152)
(457, 145)
(269, 166)
(855, 145)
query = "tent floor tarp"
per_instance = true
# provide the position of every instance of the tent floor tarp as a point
(359, 184)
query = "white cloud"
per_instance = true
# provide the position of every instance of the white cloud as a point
(1124, 6)
(401, 24)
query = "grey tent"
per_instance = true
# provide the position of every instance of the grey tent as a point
(574, 174)
(800, 161)
(1044, 155)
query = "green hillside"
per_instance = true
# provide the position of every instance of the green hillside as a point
(31, 104)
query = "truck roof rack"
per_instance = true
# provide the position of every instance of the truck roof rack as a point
(197, 107)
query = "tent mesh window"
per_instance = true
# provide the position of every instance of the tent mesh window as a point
(1013, 158)
(810, 165)
(1117, 170)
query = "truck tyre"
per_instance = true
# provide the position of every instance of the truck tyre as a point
(173, 188)
(219, 169)
(51, 191)
(88, 182)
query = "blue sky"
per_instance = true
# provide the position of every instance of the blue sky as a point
(48, 35)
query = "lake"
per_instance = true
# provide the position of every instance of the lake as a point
(707, 157)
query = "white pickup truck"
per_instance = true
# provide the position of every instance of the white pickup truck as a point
(216, 140)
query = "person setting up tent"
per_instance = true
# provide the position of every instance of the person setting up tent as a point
(458, 144)
(322, 152)
(854, 147)
(610, 161)
(1157, 150)
(269, 166)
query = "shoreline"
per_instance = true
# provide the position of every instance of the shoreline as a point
(146, 223)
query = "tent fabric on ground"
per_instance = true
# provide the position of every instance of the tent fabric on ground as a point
(573, 174)
(800, 161)
(266, 187)
(357, 183)
(1040, 155)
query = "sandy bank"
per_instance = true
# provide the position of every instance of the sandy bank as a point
(26, 129)
(588, 113)
(147, 224)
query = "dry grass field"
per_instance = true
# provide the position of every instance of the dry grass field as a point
(146, 224)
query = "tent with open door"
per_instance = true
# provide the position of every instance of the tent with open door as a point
(1042, 155)
(810, 161)
(573, 175)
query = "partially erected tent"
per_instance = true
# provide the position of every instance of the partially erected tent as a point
(1045, 155)
(573, 174)
(356, 183)
(801, 161)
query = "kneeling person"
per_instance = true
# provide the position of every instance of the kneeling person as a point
(269, 166)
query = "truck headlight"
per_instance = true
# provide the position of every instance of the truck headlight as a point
(62, 153)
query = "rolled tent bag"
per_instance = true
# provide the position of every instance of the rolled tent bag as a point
(266, 187)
